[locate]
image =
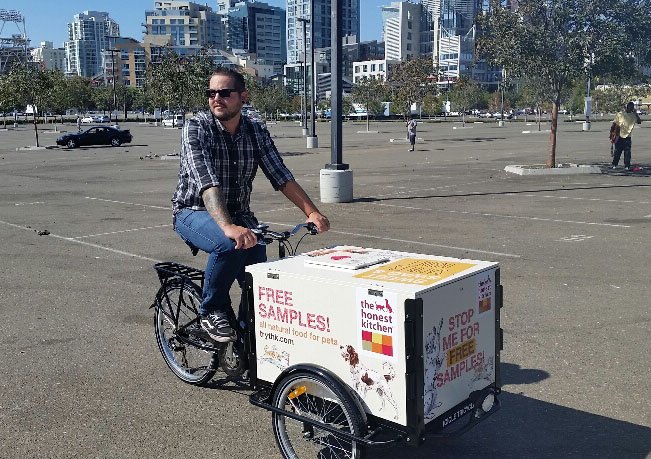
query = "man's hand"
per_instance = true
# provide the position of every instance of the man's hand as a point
(243, 237)
(321, 221)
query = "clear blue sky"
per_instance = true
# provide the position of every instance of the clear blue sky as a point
(47, 20)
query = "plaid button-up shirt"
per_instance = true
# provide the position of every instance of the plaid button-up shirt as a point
(210, 156)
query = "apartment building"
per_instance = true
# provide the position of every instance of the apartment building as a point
(50, 57)
(403, 24)
(258, 29)
(88, 36)
(300, 9)
(187, 26)
(376, 69)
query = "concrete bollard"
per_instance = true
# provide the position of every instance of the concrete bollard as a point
(336, 185)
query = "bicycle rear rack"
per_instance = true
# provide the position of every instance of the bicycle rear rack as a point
(170, 269)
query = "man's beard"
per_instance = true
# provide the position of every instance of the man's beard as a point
(226, 114)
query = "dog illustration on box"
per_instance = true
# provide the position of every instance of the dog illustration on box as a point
(273, 356)
(365, 380)
(433, 361)
(483, 371)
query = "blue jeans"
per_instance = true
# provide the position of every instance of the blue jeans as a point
(225, 264)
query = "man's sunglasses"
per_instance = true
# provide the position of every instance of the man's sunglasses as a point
(223, 93)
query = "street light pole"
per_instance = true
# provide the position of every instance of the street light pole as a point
(304, 21)
(312, 140)
(336, 179)
(115, 100)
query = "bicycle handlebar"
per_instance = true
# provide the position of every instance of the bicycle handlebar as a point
(263, 232)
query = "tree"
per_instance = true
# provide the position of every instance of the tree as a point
(534, 94)
(370, 92)
(178, 82)
(267, 97)
(432, 104)
(102, 97)
(612, 98)
(31, 86)
(78, 93)
(561, 40)
(465, 95)
(410, 82)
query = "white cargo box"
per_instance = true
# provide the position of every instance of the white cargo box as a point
(414, 335)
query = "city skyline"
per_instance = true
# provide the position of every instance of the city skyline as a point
(45, 22)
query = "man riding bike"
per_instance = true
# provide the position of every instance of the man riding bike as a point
(221, 151)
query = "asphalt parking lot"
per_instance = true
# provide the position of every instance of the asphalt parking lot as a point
(80, 229)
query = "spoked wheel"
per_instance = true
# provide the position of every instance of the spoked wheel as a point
(179, 334)
(313, 397)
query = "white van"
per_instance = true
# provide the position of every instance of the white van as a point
(174, 121)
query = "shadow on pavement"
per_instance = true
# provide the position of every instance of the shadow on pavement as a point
(637, 170)
(515, 374)
(506, 192)
(528, 428)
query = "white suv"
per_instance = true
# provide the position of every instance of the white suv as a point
(174, 121)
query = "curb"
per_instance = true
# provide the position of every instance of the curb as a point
(561, 169)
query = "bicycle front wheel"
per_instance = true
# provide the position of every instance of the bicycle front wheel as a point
(177, 331)
(313, 397)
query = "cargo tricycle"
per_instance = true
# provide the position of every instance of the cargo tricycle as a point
(348, 347)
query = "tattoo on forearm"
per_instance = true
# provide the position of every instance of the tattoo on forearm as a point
(215, 203)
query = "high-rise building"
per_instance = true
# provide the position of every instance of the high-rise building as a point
(297, 9)
(456, 39)
(256, 28)
(126, 62)
(88, 35)
(187, 26)
(442, 29)
(50, 57)
(403, 25)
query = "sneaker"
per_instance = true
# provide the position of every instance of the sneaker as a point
(627, 168)
(612, 167)
(218, 327)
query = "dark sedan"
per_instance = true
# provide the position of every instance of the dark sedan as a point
(96, 135)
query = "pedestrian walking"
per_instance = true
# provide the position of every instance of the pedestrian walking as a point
(78, 123)
(411, 132)
(624, 122)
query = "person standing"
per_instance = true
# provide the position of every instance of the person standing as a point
(78, 123)
(625, 121)
(411, 132)
(221, 151)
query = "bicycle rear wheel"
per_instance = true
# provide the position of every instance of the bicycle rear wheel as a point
(310, 395)
(176, 323)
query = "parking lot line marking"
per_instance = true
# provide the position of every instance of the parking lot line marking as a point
(515, 217)
(429, 244)
(101, 247)
(129, 203)
(406, 241)
(122, 231)
(572, 198)
(69, 239)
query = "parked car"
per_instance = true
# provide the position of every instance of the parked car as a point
(88, 119)
(96, 135)
(174, 121)
(101, 119)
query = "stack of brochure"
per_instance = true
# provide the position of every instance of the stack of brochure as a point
(345, 257)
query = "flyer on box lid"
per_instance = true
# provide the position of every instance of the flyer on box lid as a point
(345, 257)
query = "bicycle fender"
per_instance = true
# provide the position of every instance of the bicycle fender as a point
(326, 374)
